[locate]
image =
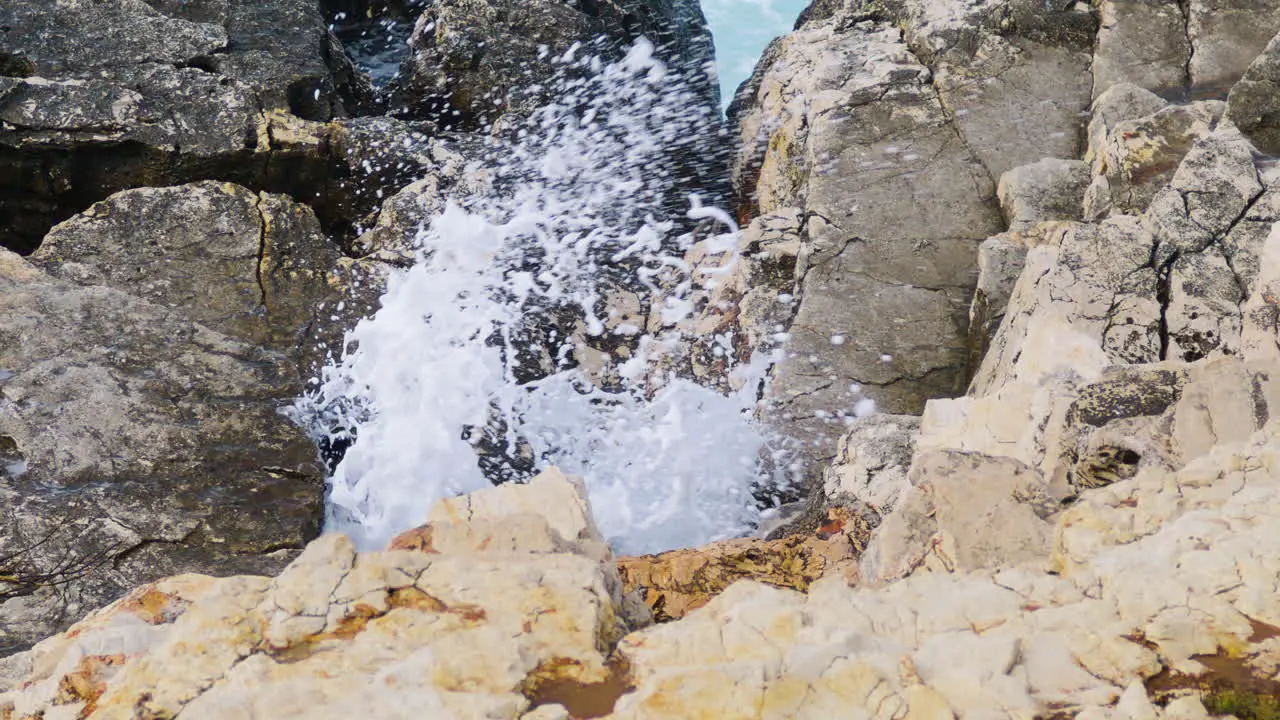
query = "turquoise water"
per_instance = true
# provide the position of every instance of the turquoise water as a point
(742, 29)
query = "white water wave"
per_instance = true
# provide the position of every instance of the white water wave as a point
(577, 209)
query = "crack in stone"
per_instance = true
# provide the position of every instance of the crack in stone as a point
(262, 250)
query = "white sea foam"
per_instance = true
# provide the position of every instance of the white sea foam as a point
(577, 207)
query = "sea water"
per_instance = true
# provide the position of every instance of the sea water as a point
(578, 196)
(741, 30)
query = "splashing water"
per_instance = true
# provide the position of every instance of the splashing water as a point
(574, 213)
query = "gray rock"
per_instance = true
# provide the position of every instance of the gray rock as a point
(1122, 101)
(1171, 285)
(1142, 43)
(1254, 102)
(251, 266)
(476, 60)
(964, 512)
(1210, 191)
(1087, 298)
(1050, 189)
(872, 461)
(1000, 262)
(886, 126)
(1015, 100)
(1227, 35)
(892, 216)
(440, 168)
(121, 93)
(1198, 48)
(137, 444)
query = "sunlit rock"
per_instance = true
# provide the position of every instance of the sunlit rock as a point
(1138, 157)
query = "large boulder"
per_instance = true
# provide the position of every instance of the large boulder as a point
(887, 262)
(135, 443)
(253, 266)
(96, 97)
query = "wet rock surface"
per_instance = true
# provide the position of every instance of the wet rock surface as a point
(1041, 228)
(474, 61)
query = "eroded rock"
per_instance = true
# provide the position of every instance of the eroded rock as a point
(1252, 104)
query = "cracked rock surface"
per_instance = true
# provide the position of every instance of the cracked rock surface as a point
(254, 266)
(97, 97)
(135, 443)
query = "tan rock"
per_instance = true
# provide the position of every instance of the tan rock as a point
(559, 498)
(1050, 189)
(1139, 156)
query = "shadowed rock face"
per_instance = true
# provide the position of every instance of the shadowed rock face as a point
(97, 97)
(475, 60)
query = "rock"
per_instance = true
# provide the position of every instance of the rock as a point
(1261, 309)
(872, 461)
(1169, 285)
(1086, 298)
(852, 123)
(1163, 575)
(437, 168)
(1199, 48)
(1144, 44)
(1227, 35)
(120, 94)
(255, 267)
(675, 583)
(741, 297)
(948, 521)
(877, 272)
(560, 498)
(1121, 102)
(1013, 76)
(1194, 220)
(334, 608)
(136, 444)
(1252, 104)
(549, 514)
(1139, 157)
(1047, 190)
(377, 158)
(1000, 262)
(476, 60)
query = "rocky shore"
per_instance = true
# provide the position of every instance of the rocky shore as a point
(1038, 239)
